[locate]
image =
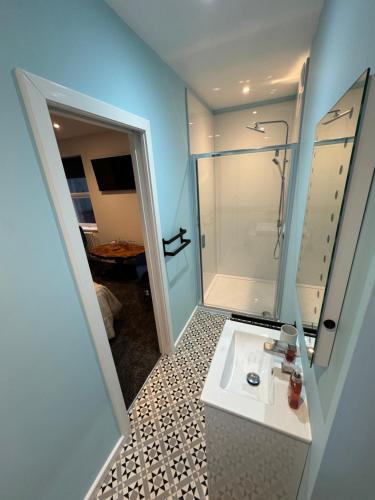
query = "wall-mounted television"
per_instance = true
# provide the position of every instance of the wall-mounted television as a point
(114, 173)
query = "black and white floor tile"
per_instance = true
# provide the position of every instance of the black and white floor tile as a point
(165, 457)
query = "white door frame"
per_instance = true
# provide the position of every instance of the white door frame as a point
(37, 94)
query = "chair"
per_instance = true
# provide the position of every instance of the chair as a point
(142, 272)
(84, 238)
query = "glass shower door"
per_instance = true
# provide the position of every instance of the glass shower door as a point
(241, 217)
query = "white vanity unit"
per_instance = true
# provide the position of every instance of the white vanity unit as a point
(256, 444)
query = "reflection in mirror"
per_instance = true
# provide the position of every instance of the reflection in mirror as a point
(334, 141)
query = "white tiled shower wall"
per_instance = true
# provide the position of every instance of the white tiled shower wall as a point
(238, 195)
(201, 138)
(248, 190)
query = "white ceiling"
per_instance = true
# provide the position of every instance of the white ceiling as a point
(71, 127)
(218, 43)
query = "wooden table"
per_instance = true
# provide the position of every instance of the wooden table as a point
(117, 251)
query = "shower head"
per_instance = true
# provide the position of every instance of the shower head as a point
(276, 161)
(257, 128)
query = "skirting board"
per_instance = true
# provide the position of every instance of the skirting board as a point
(104, 469)
(185, 326)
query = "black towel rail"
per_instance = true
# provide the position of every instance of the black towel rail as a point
(184, 242)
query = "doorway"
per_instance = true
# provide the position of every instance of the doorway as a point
(98, 166)
(39, 97)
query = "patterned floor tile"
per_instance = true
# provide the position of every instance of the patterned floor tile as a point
(165, 457)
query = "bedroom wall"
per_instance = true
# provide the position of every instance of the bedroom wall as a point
(117, 214)
(57, 426)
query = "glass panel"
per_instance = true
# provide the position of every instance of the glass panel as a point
(75, 174)
(335, 138)
(327, 184)
(239, 199)
(78, 185)
(84, 210)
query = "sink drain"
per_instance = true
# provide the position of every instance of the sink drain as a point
(253, 378)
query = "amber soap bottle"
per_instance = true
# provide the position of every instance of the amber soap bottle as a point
(294, 390)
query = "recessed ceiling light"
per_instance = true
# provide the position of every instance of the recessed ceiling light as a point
(245, 89)
(241, 81)
(217, 135)
(56, 125)
(216, 89)
(255, 112)
(191, 123)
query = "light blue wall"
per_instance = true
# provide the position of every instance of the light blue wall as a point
(57, 427)
(348, 463)
(341, 51)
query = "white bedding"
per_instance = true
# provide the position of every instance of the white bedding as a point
(109, 305)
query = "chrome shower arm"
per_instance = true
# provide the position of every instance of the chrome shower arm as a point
(340, 115)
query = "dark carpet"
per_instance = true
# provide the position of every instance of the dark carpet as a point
(135, 348)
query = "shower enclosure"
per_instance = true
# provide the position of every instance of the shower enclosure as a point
(243, 219)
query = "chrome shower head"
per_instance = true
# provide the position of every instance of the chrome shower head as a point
(276, 161)
(257, 128)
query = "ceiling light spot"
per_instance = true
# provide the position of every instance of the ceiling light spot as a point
(241, 81)
(245, 89)
(216, 89)
(269, 77)
(217, 135)
(266, 137)
(255, 112)
(56, 125)
(247, 81)
(191, 123)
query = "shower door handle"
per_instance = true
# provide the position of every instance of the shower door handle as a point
(203, 241)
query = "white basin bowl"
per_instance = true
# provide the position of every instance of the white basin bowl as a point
(245, 355)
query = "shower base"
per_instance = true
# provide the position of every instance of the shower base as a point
(255, 296)
(237, 293)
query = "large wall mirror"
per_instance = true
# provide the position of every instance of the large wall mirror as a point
(332, 161)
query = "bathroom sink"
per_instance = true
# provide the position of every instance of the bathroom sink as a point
(245, 355)
(238, 353)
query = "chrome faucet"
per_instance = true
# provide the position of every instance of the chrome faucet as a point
(279, 348)
(276, 347)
